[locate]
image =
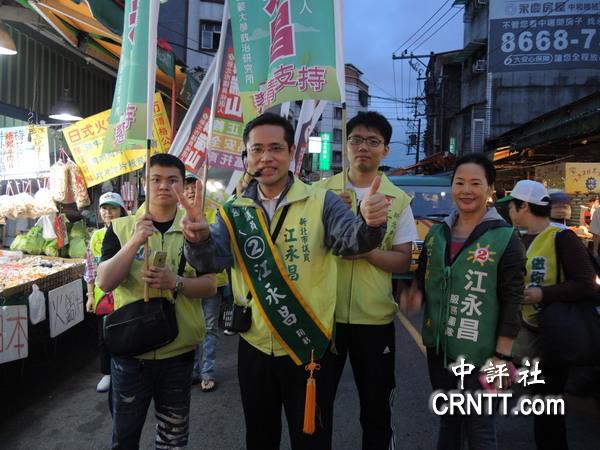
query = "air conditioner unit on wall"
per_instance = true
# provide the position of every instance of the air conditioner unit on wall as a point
(479, 66)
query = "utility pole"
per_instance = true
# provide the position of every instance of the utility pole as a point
(418, 140)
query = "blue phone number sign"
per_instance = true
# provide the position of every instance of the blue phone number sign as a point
(555, 40)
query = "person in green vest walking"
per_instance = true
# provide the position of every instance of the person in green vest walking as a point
(471, 276)
(365, 308)
(558, 269)
(281, 237)
(111, 207)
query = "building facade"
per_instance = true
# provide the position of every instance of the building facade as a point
(520, 61)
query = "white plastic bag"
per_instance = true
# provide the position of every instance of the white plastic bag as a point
(47, 224)
(37, 305)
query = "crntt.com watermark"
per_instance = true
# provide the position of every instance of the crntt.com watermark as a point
(477, 403)
(493, 378)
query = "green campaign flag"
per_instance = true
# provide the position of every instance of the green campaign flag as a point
(285, 51)
(130, 121)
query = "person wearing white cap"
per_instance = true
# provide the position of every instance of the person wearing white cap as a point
(111, 207)
(553, 254)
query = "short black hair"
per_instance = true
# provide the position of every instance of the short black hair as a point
(371, 119)
(481, 160)
(536, 210)
(271, 119)
(167, 160)
(189, 180)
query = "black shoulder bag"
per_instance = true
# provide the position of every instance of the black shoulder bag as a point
(570, 331)
(141, 326)
(238, 318)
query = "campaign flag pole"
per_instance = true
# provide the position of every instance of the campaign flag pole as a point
(341, 78)
(152, 39)
(215, 96)
(131, 119)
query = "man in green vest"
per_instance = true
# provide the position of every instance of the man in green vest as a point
(165, 374)
(281, 238)
(365, 307)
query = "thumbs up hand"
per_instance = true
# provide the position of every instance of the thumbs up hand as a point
(374, 206)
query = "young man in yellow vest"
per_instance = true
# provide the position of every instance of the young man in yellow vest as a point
(365, 307)
(291, 283)
(558, 269)
(165, 374)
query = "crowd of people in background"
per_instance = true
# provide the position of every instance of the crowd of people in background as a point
(310, 268)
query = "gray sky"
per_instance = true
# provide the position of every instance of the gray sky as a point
(373, 30)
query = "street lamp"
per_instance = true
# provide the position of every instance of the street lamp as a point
(65, 109)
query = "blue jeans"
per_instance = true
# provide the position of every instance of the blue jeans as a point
(135, 383)
(206, 353)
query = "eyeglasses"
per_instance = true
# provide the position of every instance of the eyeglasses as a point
(358, 140)
(273, 149)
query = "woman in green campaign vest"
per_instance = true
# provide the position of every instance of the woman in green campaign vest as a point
(471, 277)
(111, 207)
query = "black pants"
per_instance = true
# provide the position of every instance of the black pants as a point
(456, 430)
(103, 354)
(372, 350)
(268, 382)
(550, 431)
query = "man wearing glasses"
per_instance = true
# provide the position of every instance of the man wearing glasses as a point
(280, 237)
(365, 307)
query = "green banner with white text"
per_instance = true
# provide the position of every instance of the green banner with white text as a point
(285, 51)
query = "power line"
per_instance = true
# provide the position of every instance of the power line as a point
(436, 31)
(430, 27)
(418, 29)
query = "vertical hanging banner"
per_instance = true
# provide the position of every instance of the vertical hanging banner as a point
(14, 338)
(191, 142)
(128, 122)
(285, 51)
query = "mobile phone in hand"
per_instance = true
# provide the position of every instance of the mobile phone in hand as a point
(160, 259)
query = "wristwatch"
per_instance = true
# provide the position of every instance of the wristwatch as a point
(178, 284)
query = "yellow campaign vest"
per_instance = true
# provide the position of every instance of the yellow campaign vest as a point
(541, 266)
(310, 265)
(190, 319)
(96, 251)
(211, 217)
(364, 291)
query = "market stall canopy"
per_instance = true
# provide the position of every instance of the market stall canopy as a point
(95, 27)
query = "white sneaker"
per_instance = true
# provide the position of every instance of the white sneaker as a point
(103, 384)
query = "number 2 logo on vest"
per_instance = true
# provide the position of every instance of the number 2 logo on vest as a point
(481, 255)
(254, 247)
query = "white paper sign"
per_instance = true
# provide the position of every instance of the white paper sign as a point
(14, 342)
(65, 307)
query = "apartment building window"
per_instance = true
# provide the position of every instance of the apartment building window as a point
(337, 135)
(337, 113)
(210, 34)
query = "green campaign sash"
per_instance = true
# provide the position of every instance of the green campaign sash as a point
(286, 313)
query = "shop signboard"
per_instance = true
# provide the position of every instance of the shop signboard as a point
(529, 35)
(65, 307)
(14, 339)
(24, 152)
(86, 137)
(571, 177)
(325, 155)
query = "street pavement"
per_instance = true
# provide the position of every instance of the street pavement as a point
(61, 410)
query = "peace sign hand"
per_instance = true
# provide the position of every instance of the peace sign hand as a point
(194, 225)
